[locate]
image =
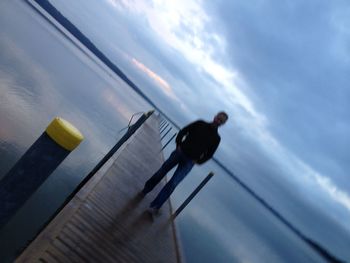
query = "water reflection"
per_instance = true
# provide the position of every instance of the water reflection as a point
(40, 78)
(43, 75)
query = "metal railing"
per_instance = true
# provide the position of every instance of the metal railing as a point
(131, 130)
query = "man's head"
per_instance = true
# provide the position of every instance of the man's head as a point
(220, 118)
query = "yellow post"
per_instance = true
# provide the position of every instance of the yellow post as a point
(35, 166)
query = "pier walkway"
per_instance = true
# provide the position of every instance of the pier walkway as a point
(107, 221)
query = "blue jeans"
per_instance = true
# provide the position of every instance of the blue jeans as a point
(185, 165)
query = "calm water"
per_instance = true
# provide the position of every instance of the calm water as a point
(43, 75)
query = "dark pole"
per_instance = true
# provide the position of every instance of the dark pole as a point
(36, 165)
(127, 135)
(172, 137)
(166, 126)
(166, 133)
(162, 125)
(161, 122)
(194, 193)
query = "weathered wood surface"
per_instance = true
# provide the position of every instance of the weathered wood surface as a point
(107, 220)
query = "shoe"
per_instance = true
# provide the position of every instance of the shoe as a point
(143, 191)
(154, 212)
(141, 194)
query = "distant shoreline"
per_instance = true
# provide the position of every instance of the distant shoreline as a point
(71, 28)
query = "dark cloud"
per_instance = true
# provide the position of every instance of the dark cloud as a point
(285, 52)
(152, 52)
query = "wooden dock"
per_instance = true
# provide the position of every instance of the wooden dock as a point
(107, 220)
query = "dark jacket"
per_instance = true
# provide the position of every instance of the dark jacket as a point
(199, 140)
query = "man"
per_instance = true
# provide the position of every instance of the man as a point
(195, 144)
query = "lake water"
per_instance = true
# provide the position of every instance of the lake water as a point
(43, 74)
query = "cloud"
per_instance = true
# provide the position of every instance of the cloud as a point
(258, 76)
(168, 19)
(341, 41)
(327, 184)
(156, 78)
(268, 64)
(285, 57)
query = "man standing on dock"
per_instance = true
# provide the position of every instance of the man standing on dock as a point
(195, 144)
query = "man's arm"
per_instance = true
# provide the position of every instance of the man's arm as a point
(208, 154)
(184, 131)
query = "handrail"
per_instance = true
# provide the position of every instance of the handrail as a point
(127, 135)
(166, 133)
(128, 127)
(172, 137)
(166, 126)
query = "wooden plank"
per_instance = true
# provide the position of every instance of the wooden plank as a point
(56, 254)
(107, 220)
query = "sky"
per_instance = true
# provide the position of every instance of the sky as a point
(280, 69)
